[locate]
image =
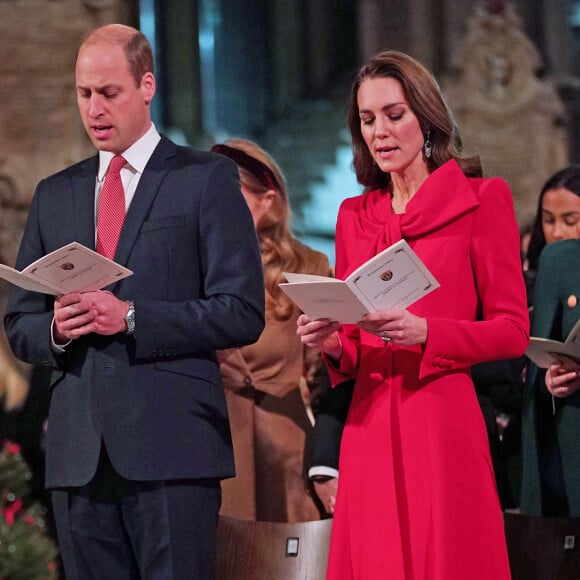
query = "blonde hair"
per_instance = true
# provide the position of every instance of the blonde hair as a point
(280, 250)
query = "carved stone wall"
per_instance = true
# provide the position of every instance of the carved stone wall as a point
(514, 120)
(41, 130)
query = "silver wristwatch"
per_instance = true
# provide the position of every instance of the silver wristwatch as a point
(130, 318)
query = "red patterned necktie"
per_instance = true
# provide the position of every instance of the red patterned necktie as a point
(111, 212)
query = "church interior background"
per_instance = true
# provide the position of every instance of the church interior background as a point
(279, 72)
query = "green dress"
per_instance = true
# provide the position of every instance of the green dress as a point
(551, 428)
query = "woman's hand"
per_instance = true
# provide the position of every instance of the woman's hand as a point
(320, 334)
(563, 378)
(396, 326)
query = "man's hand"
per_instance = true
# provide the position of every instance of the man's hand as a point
(326, 492)
(77, 314)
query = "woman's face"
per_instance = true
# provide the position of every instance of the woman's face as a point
(259, 204)
(389, 127)
(560, 215)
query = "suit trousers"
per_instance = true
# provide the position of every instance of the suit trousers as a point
(123, 529)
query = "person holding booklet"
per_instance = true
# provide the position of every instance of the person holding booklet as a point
(138, 437)
(417, 497)
(557, 218)
(394, 278)
(551, 441)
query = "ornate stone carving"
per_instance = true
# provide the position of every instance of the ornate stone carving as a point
(505, 112)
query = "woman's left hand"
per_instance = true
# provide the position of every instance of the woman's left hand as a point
(563, 378)
(396, 326)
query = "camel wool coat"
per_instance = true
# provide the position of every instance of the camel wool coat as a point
(267, 397)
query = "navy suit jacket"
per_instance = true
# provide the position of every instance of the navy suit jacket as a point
(155, 398)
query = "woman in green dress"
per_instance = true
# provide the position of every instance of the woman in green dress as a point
(551, 439)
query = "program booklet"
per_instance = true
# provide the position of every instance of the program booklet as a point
(72, 268)
(394, 278)
(544, 351)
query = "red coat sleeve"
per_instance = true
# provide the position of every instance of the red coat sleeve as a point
(503, 329)
(349, 333)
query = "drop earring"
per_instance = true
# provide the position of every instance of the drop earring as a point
(428, 146)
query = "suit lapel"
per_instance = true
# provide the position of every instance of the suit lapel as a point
(145, 194)
(83, 203)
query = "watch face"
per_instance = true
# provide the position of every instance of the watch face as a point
(130, 318)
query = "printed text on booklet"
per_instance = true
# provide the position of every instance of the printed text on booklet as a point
(394, 278)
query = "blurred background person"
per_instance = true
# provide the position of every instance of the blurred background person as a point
(550, 439)
(525, 237)
(557, 218)
(24, 402)
(323, 446)
(499, 387)
(267, 383)
(500, 384)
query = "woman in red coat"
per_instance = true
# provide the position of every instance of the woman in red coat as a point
(416, 497)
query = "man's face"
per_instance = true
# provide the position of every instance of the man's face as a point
(114, 111)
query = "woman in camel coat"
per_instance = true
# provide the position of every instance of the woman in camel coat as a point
(267, 383)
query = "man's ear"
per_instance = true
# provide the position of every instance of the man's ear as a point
(148, 86)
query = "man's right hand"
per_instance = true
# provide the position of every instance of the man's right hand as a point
(73, 317)
(326, 492)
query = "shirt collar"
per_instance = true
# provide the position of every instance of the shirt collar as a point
(136, 156)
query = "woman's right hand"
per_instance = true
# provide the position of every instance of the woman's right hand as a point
(320, 334)
(563, 378)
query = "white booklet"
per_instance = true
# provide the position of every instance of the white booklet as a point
(544, 351)
(72, 268)
(394, 278)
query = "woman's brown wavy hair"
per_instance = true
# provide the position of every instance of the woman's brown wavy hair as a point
(427, 103)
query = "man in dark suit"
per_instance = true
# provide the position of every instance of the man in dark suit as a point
(138, 436)
(323, 444)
